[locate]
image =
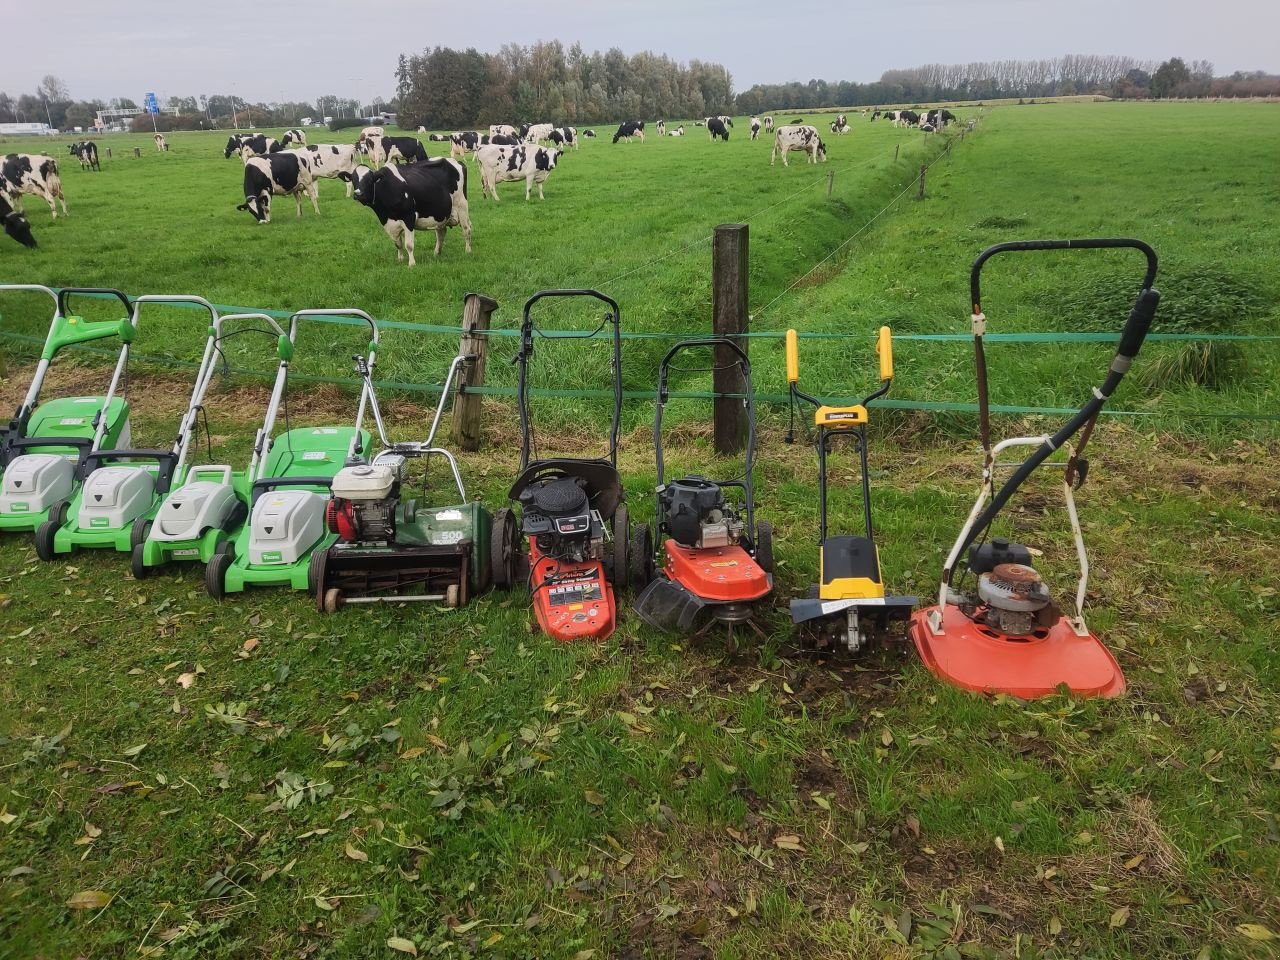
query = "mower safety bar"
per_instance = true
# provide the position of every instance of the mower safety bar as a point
(742, 359)
(65, 293)
(165, 460)
(1013, 246)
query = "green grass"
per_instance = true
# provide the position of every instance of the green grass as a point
(516, 797)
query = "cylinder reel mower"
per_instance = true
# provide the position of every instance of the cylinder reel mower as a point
(848, 607)
(716, 558)
(1011, 637)
(572, 513)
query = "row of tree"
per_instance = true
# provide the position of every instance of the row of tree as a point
(443, 87)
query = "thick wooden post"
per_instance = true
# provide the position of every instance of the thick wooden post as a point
(476, 310)
(729, 256)
(920, 194)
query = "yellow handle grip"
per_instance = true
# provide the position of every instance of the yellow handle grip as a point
(884, 347)
(793, 357)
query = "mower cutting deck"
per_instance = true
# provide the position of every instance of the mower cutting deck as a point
(1011, 637)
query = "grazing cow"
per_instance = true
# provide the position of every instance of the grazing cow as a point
(840, 125)
(628, 129)
(939, 117)
(803, 137)
(293, 136)
(161, 143)
(589, 133)
(332, 161)
(755, 128)
(86, 151)
(538, 131)
(564, 136)
(797, 120)
(15, 224)
(677, 132)
(282, 174)
(383, 150)
(662, 128)
(503, 130)
(908, 118)
(464, 142)
(32, 173)
(258, 143)
(522, 162)
(371, 132)
(927, 127)
(431, 194)
(875, 114)
(716, 128)
(768, 124)
(727, 121)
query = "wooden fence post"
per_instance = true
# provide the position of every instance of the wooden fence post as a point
(920, 194)
(831, 181)
(137, 151)
(476, 310)
(729, 257)
(108, 153)
(896, 148)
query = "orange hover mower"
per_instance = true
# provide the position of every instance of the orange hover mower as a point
(1011, 637)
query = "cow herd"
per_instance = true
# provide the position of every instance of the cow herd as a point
(396, 178)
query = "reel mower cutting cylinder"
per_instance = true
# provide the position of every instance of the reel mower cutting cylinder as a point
(848, 606)
(1012, 637)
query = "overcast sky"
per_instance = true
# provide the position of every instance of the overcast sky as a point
(271, 51)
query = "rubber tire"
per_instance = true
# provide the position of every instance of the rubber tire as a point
(504, 544)
(642, 562)
(44, 540)
(621, 568)
(138, 533)
(60, 512)
(452, 596)
(764, 545)
(314, 569)
(225, 546)
(215, 575)
(136, 563)
(332, 600)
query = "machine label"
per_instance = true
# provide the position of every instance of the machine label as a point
(725, 563)
(443, 537)
(19, 507)
(314, 455)
(190, 552)
(72, 421)
(574, 596)
(271, 556)
(324, 432)
(99, 521)
(449, 515)
(85, 400)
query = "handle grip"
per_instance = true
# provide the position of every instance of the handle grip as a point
(884, 347)
(1140, 317)
(793, 357)
(64, 293)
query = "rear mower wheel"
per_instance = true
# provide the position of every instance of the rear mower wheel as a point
(332, 600)
(315, 574)
(136, 563)
(642, 562)
(504, 544)
(44, 540)
(138, 533)
(764, 545)
(60, 512)
(215, 575)
(621, 553)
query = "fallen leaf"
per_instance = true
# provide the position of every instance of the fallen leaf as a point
(91, 900)
(593, 798)
(886, 737)
(1119, 918)
(186, 680)
(323, 904)
(786, 688)
(403, 945)
(492, 939)
(1255, 931)
(1000, 844)
(134, 751)
(584, 955)
(355, 854)
(20, 872)
(1134, 862)
(6, 817)
(788, 841)
(250, 645)
(412, 753)
(1055, 926)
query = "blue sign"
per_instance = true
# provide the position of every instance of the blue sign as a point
(149, 103)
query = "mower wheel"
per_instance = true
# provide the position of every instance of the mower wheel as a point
(139, 532)
(137, 564)
(315, 573)
(764, 545)
(452, 596)
(44, 540)
(504, 544)
(620, 568)
(225, 546)
(332, 600)
(59, 512)
(215, 575)
(642, 564)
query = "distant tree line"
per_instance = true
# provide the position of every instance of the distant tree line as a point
(447, 88)
(1113, 76)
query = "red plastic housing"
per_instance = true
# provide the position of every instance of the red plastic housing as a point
(727, 574)
(572, 601)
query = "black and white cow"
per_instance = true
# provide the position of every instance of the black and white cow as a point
(662, 128)
(294, 136)
(368, 132)
(677, 132)
(161, 143)
(525, 162)
(908, 118)
(564, 137)
(282, 174)
(768, 124)
(86, 151)
(331, 161)
(755, 128)
(802, 137)
(589, 133)
(840, 125)
(383, 150)
(503, 130)
(716, 128)
(876, 113)
(538, 131)
(438, 137)
(431, 195)
(15, 224)
(464, 142)
(939, 117)
(628, 129)
(32, 173)
(727, 121)
(421, 129)
(258, 143)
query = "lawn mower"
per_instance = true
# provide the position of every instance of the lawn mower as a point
(717, 559)
(121, 488)
(848, 606)
(571, 510)
(292, 476)
(390, 548)
(1012, 638)
(44, 445)
(202, 513)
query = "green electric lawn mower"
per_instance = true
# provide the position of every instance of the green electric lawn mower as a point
(43, 447)
(292, 477)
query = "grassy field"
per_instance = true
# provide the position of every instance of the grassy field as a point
(251, 779)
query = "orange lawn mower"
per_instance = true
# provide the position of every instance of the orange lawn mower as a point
(1011, 637)
(717, 558)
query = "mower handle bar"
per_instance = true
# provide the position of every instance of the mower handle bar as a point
(742, 359)
(280, 331)
(166, 462)
(64, 293)
(33, 287)
(884, 348)
(339, 312)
